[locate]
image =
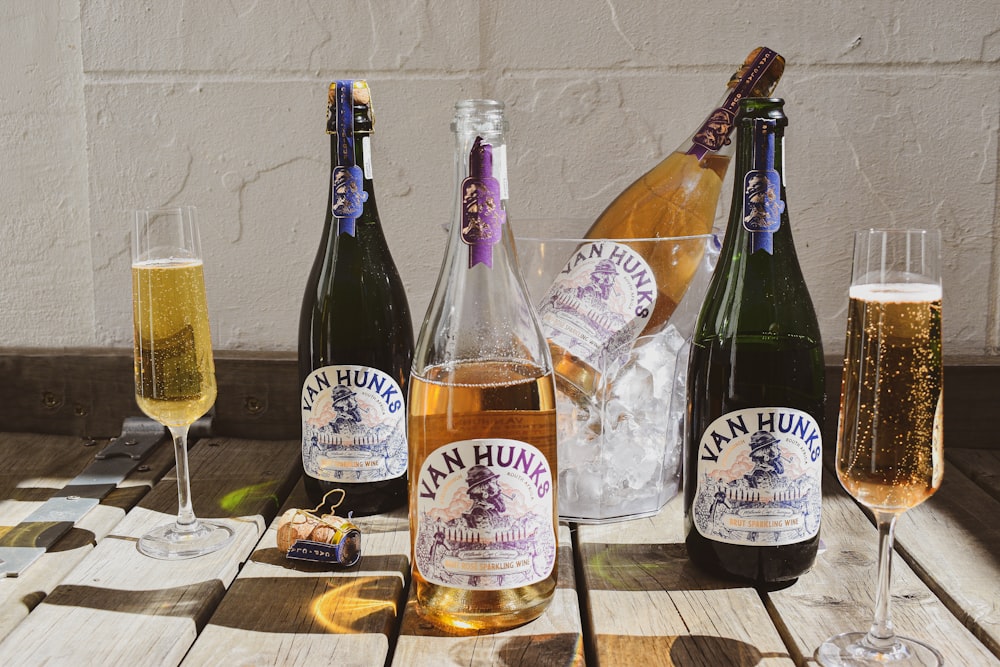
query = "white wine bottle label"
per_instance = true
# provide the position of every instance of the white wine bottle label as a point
(758, 478)
(353, 425)
(600, 302)
(485, 515)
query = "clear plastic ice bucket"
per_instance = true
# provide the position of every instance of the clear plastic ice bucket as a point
(620, 443)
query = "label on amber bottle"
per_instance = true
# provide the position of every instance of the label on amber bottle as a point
(599, 303)
(485, 515)
(353, 425)
(758, 478)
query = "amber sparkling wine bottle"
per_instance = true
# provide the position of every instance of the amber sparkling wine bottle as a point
(355, 333)
(584, 314)
(753, 458)
(482, 420)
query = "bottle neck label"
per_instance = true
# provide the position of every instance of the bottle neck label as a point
(353, 425)
(485, 515)
(714, 133)
(349, 193)
(762, 204)
(758, 478)
(483, 215)
(599, 303)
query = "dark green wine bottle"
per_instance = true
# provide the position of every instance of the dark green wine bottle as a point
(753, 461)
(355, 334)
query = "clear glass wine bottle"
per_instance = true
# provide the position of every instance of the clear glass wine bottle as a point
(482, 421)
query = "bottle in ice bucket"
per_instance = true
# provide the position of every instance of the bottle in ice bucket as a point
(482, 420)
(609, 293)
(755, 382)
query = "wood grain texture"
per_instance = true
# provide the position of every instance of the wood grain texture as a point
(838, 594)
(20, 595)
(982, 466)
(120, 607)
(286, 612)
(953, 542)
(87, 392)
(649, 605)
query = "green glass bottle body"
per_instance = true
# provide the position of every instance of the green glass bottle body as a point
(355, 347)
(753, 462)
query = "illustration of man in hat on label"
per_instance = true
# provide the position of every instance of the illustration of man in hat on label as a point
(488, 507)
(345, 404)
(767, 466)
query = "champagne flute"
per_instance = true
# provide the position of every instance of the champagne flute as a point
(174, 368)
(889, 443)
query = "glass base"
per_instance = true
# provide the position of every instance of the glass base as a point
(170, 542)
(852, 649)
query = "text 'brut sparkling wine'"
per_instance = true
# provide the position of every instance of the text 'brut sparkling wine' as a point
(355, 333)
(610, 293)
(482, 420)
(753, 461)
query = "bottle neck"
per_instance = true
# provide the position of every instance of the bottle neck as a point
(479, 229)
(757, 78)
(352, 195)
(758, 219)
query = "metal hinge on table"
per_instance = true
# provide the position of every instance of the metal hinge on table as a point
(28, 540)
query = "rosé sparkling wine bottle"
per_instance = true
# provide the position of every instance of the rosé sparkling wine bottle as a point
(482, 420)
(676, 198)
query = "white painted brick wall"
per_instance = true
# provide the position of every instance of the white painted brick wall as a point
(106, 105)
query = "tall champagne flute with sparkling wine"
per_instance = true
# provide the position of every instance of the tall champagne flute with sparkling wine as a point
(890, 439)
(174, 368)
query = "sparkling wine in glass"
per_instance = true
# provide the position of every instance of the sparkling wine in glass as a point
(174, 368)
(889, 442)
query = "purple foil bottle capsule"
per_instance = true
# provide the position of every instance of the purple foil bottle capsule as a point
(482, 214)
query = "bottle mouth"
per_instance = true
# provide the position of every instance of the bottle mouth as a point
(480, 116)
(765, 108)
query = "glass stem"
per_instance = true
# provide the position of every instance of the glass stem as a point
(186, 520)
(881, 635)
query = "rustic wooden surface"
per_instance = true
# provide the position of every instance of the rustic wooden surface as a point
(87, 392)
(284, 612)
(627, 594)
(120, 607)
(648, 605)
(838, 595)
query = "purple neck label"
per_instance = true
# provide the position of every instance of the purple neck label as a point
(349, 193)
(482, 214)
(714, 133)
(762, 204)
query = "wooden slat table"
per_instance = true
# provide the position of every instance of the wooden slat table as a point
(628, 595)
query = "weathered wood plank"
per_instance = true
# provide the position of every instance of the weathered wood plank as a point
(953, 542)
(982, 466)
(18, 596)
(838, 594)
(120, 607)
(554, 638)
(89, 391)
(286, 612)
(649, 605)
